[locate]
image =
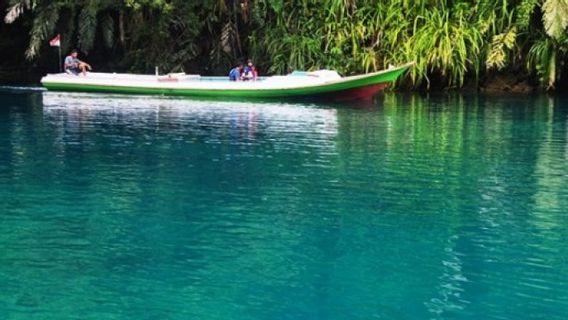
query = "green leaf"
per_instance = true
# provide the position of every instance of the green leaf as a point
(555, 17)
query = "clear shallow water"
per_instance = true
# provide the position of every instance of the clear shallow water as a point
(129, 207)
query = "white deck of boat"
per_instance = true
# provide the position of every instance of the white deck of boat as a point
(191, 81)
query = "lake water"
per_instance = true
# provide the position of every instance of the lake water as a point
(135, 207)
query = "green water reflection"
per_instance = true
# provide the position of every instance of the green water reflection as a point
(440, 207)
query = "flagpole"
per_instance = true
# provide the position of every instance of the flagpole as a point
(59, 49)
(56, 42)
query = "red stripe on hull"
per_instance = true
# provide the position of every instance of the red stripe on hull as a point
(361, 93)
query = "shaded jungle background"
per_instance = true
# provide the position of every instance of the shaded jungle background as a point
(504, 45)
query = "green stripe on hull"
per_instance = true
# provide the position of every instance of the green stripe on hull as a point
(384, 77)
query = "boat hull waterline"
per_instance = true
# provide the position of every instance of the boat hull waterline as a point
(308, 86)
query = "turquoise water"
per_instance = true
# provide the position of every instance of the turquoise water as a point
(132, 207)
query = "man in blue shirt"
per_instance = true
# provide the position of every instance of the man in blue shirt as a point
(235, 74)
(73, 65)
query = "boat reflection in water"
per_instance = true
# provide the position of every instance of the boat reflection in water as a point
(78, 113)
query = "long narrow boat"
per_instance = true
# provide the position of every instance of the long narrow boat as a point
(322, 84)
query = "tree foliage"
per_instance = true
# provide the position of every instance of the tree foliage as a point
(452, 41)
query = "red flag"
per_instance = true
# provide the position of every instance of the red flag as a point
(55, 42)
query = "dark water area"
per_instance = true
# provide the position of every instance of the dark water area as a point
(416, 207)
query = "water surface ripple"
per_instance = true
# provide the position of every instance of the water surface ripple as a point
(134, 207)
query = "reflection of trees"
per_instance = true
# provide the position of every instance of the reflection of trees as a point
(413, 208)
(470, 164)
(548, 217)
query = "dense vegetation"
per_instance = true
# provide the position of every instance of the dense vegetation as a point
(452, 42)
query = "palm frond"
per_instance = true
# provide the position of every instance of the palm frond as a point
(43, 27)
(16, 8)
(497, 56)
(14, 12)
(555, 17)
(542, 60)
(524, 11)
(107, 29)
(87, 27)
(227, 38)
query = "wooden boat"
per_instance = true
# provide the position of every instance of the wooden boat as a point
(322, 84)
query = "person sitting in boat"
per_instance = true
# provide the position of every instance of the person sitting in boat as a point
(75, 66)
(236, 73)
(250, 71)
